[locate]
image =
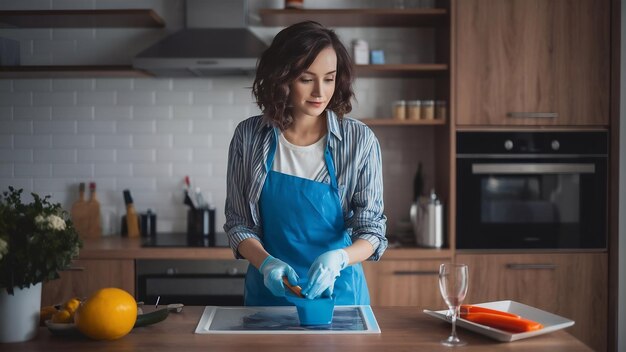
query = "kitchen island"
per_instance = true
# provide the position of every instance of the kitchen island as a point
(403, 329)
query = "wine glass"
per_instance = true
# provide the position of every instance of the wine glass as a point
(453, 287)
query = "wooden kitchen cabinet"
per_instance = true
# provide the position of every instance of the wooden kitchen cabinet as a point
(408, 283)
(572, 285)
(532, 62)
(88, 275)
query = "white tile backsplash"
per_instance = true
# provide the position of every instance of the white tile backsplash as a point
(120, 140)
(32, 85)
(96, 155)
(88, 98)
(72, 141)
(72, 113)
(137, 155)
(179, 126)
(82, 85)
(54, 98)
(33, 170)
(55, 156)
(96, 127)
(16, 156)
(152, 113)
(16, 127)
(72, 170)
(116, 169)
(32, 141)
(6, 113)
(32, 113)
(136, 98)
(54, 127)
(16, 99)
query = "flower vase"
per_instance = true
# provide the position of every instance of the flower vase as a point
(19, 313)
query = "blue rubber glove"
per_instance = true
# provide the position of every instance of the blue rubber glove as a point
(323, 273)
(273, 271)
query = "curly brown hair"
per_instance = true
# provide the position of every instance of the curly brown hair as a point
(292, 51)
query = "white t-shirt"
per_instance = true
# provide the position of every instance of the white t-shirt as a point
(301, 161)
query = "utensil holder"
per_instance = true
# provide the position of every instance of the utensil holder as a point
(201, 225)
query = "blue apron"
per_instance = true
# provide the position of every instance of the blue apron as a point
(302, 219)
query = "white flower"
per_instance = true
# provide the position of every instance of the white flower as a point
(40, 221)
(56, 223)
(4, 248)
(52, 222)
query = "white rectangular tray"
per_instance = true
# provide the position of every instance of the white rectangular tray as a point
(551, 322)
(284, 320)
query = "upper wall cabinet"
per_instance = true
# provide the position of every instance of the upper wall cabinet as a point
(532, 62)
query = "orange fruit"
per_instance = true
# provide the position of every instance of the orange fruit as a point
(46, 313)
(62, 316)
(108, 314)
(71, 305)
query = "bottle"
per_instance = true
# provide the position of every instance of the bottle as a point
(132, 222)
(360, 52)
(95, 226)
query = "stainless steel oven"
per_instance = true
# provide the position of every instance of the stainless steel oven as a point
(519, 190)
(191, 282)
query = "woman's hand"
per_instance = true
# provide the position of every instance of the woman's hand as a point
(273, 271)
(323, 273)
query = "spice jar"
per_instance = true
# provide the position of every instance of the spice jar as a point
(413, 110)
(399, 110)
(428, 109)
(440, 109)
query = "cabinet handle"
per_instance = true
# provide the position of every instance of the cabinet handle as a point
(513, 266)
(75, 268)
(536, 115)
(416, 272)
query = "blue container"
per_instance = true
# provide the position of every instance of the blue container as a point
(317, 311)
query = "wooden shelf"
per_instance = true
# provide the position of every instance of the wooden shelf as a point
(356, 17)
(80, 18)
(393, 122)
(401, 70)
(71, 72)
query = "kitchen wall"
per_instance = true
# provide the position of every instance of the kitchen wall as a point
(147, 134)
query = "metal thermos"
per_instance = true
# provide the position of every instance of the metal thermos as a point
(427, 219)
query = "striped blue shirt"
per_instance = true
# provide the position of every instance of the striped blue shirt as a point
(357, 157)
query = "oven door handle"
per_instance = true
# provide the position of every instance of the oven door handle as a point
(538, 168)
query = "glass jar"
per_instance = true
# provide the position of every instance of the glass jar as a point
(428, 109)
(413, 110)
(399, 110)
(441, 108)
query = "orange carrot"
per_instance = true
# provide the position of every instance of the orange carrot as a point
(468, 309)
(503, 322)
(297, 290)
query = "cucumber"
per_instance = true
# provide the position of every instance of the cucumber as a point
(152, 317)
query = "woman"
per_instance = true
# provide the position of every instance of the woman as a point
(305, 191)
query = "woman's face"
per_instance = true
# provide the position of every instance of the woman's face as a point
(311, 92)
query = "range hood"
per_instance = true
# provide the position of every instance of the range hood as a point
(215, 42)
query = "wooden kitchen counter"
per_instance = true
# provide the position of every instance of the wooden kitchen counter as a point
(403, 329)
(116, 247)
